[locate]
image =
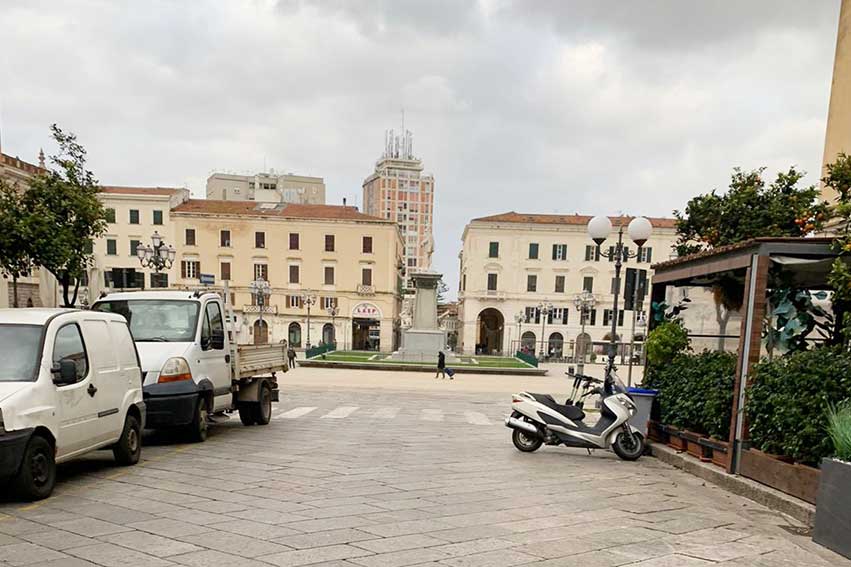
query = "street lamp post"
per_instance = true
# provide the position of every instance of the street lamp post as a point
(261, 290)
(584, 303)
(544, 309)
(519, 317)
(308, 299)
(639, 230)
(333, 311)
(156, 255)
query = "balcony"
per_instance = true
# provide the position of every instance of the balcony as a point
(273, 309)
(483, 294)
(366, 290)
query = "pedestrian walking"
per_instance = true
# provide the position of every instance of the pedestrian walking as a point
(291, 356)
(441, 366)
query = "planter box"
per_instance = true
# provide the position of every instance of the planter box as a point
(656, 432)
(675, 439)
(797, 480)
(720, 451)
(833, 509)
(695, 448)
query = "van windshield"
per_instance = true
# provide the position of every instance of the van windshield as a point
(20, 352)
(156, 320)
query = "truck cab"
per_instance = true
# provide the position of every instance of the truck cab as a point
(70, 383)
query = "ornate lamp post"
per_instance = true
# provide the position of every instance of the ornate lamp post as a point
(308, 299)
(584, 303)
(261, 290)
(156, 255)
(639, 230)
(333, 311)
(544, 309)
(519, 318)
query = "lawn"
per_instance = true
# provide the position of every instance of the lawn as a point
(382, 358)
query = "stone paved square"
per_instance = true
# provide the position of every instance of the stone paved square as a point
(420, 472)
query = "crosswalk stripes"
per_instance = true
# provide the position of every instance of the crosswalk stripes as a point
(476, 418)
(431, 415)
(340, 412)
(386, 413)
(294, 413)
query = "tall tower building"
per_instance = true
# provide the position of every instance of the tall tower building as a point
(399, 190)
(838, 136)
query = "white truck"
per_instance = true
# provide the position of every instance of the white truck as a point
(190, 367)
(70, 383)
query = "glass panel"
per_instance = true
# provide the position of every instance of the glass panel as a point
(19, 350)
(153, 320)
(69, 346)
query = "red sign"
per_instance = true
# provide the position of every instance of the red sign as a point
(366, 311)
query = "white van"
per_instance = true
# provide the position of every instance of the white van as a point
(70, 383)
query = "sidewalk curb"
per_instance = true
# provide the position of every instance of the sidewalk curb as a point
(421, 368)
(802, 511)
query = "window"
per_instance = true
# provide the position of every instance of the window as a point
(611, 257)
(645, 254)
(189, 237)
(366, 276)
(592, 253)
(110, 216)
(261, 271)
(492, 282)
(158, 217)
(559, 251)
(294, 301)
(531, 282)
(134, 216)
(328, 302)
(464, 282)
(260, 240)
(224, 271)
(625, 252)
(558, 316)
(620, 317)
(493, 250)
(213, 321)
(224, 238)
(588, 284)
(593, 317)
(329, 242)
(133, 245)
(412, 262)
(294, 241)
(294, 274)
(189, 269)
(159, 280)
(607, 317)
(559, 284)
(329, 275)
(69, 346)
(111, 247)
(533, 315)
(533, 250)
(367, 245)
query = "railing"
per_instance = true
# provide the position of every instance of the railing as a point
(273, 309)
(366, 290)
(527, 358)
(320, 349)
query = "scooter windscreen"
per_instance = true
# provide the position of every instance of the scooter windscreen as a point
(613, 385)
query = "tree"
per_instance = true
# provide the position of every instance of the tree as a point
(65, 215)
(838, 178)
(15, 260)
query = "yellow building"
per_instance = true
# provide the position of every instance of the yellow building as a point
(838, 136)
(348, 263)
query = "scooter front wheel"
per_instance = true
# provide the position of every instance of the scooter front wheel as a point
(629, 446)
(525, 442)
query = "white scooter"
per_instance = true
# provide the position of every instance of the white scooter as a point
(537, 419)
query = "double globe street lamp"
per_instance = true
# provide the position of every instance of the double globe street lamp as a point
(639, 231)
(156, 255)
(309, 300)
(584, 303)
(260, 290)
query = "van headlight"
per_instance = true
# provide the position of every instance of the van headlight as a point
(175, 369)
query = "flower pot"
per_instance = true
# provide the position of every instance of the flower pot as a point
(675, 439)
(694, 446)
(656, 432)
(833, 507)
(720, 453)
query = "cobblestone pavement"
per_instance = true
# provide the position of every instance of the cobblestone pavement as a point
(373, 477)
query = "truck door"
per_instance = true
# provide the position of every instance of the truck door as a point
(107, 379)
(77, 407)
(215, 356)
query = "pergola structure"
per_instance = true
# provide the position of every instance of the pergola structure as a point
(805, 261)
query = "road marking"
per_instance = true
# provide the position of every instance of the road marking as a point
(294, 413)
(476, 418)
(432, 415)
(386, 413)
(340, 412)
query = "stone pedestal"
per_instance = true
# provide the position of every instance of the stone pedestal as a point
(424, 339)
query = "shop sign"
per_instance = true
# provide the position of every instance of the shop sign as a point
(366, 311)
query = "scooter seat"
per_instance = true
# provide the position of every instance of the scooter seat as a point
(567, 410)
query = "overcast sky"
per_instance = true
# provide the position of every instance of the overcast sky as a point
(590, 107)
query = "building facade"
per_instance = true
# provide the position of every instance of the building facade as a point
(399, 191)
(266, 187)
(512, 263)
(838, 136)
(347, 263)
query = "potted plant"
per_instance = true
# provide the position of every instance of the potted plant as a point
(833, 504)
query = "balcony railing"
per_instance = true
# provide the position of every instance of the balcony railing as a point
(366, 290)
(273, 309)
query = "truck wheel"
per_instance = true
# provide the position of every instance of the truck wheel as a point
(129, 447)
(37, 476)
(198, 427)
(263, 409)
(247, 414)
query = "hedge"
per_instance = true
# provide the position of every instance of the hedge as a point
(696, 392)
(788, 401)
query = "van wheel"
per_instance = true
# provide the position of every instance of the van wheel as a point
(37, 476)
(198, 427)
(129, 447)
(247, 414)
(263, 409)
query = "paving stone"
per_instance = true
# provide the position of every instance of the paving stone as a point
(168, 528)
(330, 537)
(27, 553)
(110, 555)
(675, 560)
(58, 540)
(253, 529)
(212, 558)
(314, 555)
(400, 543)
(151, 544)
(498, 558)
(15, 526)
(234, 543)
(7, 539)
(400, 558)
(475, 546)
(64, 562)
(90, 527)
(405, 528)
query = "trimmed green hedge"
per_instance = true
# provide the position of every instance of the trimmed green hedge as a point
(320, 349)
(696, 392)
(527, 358)
(787, 403)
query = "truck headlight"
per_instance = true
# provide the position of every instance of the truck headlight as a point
(175, 369)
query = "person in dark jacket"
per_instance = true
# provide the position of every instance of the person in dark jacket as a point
(291, 356)
(441, 365)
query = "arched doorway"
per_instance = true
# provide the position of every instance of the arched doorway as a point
(491, 327)
(328, 333)
(294, 335)
(556, 345)
(527, 342)
(583, 347)
(261, 332)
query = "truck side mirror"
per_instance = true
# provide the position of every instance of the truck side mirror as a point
(64, 372)
(217, 339)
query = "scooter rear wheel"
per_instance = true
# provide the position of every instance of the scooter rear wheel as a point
(525, 442)
(629, 447)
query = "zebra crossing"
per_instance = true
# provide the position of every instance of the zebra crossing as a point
(342, 412)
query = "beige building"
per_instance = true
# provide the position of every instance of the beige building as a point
(512, 263)
(838, 136)
(348, 263)
(399, 191)
(268, 187)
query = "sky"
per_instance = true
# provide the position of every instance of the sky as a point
(595, 107)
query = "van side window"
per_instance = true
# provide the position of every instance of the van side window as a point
(205, 330)
(214, 317)
(69, 346)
